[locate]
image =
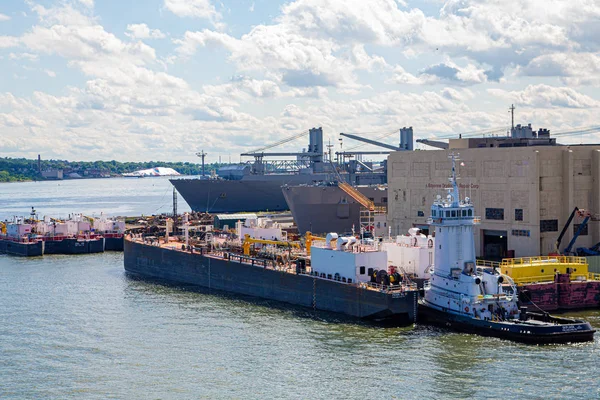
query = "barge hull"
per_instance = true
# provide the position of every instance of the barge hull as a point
(227, 275)
(30, 249)
(74, 246)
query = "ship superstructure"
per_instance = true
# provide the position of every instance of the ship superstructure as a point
(257, 186)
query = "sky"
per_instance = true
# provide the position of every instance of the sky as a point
(140, 80)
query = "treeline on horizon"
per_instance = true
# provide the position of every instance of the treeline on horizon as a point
(23, 169)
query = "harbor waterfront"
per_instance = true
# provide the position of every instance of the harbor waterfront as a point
(80, 327)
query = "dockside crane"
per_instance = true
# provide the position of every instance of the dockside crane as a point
(434, 143)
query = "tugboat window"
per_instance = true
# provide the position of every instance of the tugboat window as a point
(362, 270)
(470, 213)
(453, 214)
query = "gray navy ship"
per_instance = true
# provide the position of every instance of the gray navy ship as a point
(257, 186)
(325, 207)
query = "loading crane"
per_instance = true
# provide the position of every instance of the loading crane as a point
(248, 241)
(260, 151)
(370, 141)
(580, 213)
(434, 143)
(309, 239)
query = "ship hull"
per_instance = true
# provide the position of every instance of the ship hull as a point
(225, 196)
(30, 249)
(576, 331)
(324, 209)
(74, 246)
(303, 290)
(253, 192)
(113, 243)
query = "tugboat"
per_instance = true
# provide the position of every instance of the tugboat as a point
(467, 297)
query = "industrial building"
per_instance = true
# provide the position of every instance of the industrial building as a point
(524, 188)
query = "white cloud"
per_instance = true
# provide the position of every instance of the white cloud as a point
(142, 31)
(87, 3)
(23, 56)
(195, 9)
(4, 17)
(544, 96)
(50, 73)
(573, 68)
(8, 41)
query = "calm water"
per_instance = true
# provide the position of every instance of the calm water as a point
(78, 327)
(115, 196)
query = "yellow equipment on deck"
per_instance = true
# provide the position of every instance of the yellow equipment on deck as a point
(248, 241)
(543, 268)
(309, 239)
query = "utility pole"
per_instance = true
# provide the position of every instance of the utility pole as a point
(202, 154)
(512, 118)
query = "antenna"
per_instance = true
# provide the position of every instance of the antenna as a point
(202, 154)
(329, 146)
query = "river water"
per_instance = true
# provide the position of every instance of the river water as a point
(74, 327)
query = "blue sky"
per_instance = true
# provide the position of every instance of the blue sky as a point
(162, 79)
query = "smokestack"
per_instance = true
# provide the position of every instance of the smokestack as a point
(39, 164)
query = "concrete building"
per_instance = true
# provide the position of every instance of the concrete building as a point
(53, 174)
(524, 195)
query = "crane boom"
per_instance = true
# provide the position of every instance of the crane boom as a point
(374, 142)
(278, 143)
(434, 143)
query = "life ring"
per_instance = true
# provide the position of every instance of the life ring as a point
(466, 309)
(430, 243)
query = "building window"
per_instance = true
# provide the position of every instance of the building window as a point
(521, 232)
(494, 213)
(384, 199)
(518, 214)
(362, 270)
(420, 214)
(433, 213)
(584, 231)
(548, 225)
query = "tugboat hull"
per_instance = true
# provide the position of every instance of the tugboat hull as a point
(536, 330)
